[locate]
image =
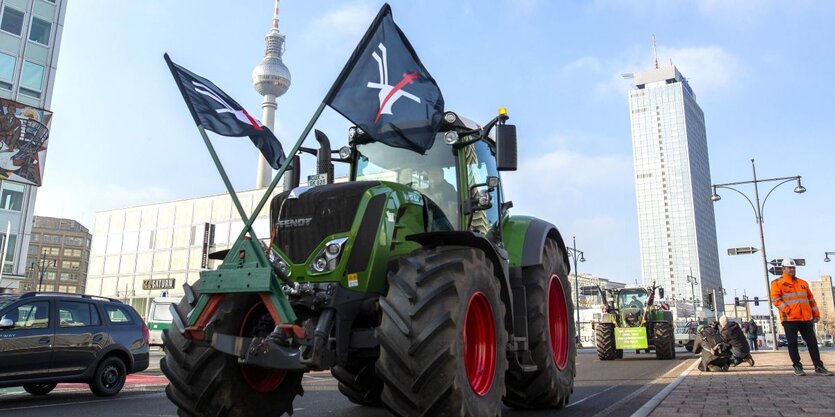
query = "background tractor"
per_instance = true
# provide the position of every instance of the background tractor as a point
(411, 283)
(632, 320)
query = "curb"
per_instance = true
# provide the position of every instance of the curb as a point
(653, 402)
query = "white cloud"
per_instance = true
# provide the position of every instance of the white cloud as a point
(708, 68)
(341, 28)
(561, 178)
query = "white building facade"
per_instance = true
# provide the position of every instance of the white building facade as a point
(138, 253)
(30, 37)
(676, 224)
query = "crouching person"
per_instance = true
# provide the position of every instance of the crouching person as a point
(716, 354)
(732, 334)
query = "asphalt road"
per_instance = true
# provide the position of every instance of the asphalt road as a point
(615, 388)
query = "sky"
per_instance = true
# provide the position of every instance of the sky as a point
(122, 136)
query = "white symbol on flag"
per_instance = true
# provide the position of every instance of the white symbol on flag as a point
(239, 114)
(389, 94)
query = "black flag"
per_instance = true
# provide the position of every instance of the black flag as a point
(386, 91)
(216, 111)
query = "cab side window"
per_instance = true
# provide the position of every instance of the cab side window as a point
(480, 164)
(33, 315)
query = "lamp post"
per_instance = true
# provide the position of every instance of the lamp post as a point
(758, 213)
(826, 259)
(44, 264)
(576, 255)
(692, 280)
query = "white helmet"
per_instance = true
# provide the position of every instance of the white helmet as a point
(788, 262)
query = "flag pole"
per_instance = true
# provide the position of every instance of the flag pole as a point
(288, 160)
(225, 178)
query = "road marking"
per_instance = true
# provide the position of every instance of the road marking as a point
(653, 402)
(31, 407)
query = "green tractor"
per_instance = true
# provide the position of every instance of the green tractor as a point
(632, 320)
(411, 282)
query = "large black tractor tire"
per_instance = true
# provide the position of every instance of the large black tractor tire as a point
(665, 343)
(442, 336)
(551, 334)
(604, 340)
(206, 382)
(358, 381)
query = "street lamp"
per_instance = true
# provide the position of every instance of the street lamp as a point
(576, 255)
(692, 280)
(758, 213)
(826, 259)
(52, 263)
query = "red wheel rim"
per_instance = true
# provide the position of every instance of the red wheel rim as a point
(262, 380)
(479, 344)
(557, 322)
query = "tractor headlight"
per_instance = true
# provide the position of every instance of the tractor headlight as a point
(284, 268)
(345, 152)
(450, 117)
(451, 137)
(328, 257)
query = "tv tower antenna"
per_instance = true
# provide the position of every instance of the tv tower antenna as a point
(654, 51)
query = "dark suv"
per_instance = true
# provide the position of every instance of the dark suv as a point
(47, 338)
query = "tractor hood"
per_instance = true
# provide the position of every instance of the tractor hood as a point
(305, 216)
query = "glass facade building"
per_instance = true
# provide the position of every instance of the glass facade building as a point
(59, 250)
(30, 37)
(676, 224)
(138, 253)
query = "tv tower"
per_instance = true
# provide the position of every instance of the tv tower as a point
(271, 79)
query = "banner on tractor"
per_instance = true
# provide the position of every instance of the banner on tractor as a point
(23, 141)
(386, 91)
(631, 338)
(216, 111)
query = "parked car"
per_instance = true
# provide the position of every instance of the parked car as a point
(50, 338)
(685, 334)
(782, 341)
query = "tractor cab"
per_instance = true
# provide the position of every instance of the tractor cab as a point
(632, 304)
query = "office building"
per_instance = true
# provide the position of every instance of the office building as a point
(30, 37)
(676, 224)
(59, 250)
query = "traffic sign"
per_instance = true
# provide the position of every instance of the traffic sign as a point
(776, 270)
(747, 250)
(778, 261)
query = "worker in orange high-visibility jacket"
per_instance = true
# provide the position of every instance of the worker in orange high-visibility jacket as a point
(798, 312)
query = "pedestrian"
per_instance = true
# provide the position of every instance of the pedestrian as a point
(715, 353)
(732, 334)
(798, 312)
(753, 329)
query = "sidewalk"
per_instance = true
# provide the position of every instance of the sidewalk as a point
(769, 388)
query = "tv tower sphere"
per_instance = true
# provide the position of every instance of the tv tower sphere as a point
(271, 76)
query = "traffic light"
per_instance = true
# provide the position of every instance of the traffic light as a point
(736, 301)
(756, 301)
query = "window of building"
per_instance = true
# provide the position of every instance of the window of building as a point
(7, 65)
(11, 197)
(69, 276)
(31, 79)
(46, 250)
(71, 265)
(39, 31)
(12, 21)
(56, 240)
(73, 241)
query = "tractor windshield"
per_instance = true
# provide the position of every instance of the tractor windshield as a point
(633, 298)
(432, 174)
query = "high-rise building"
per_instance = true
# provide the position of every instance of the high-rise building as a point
(676, 224)
(271, 79)
(59, 251)
(30, 37)
(824, 297)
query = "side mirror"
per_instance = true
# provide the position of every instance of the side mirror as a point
(506, 147)
(6, 324)
(660, 293)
